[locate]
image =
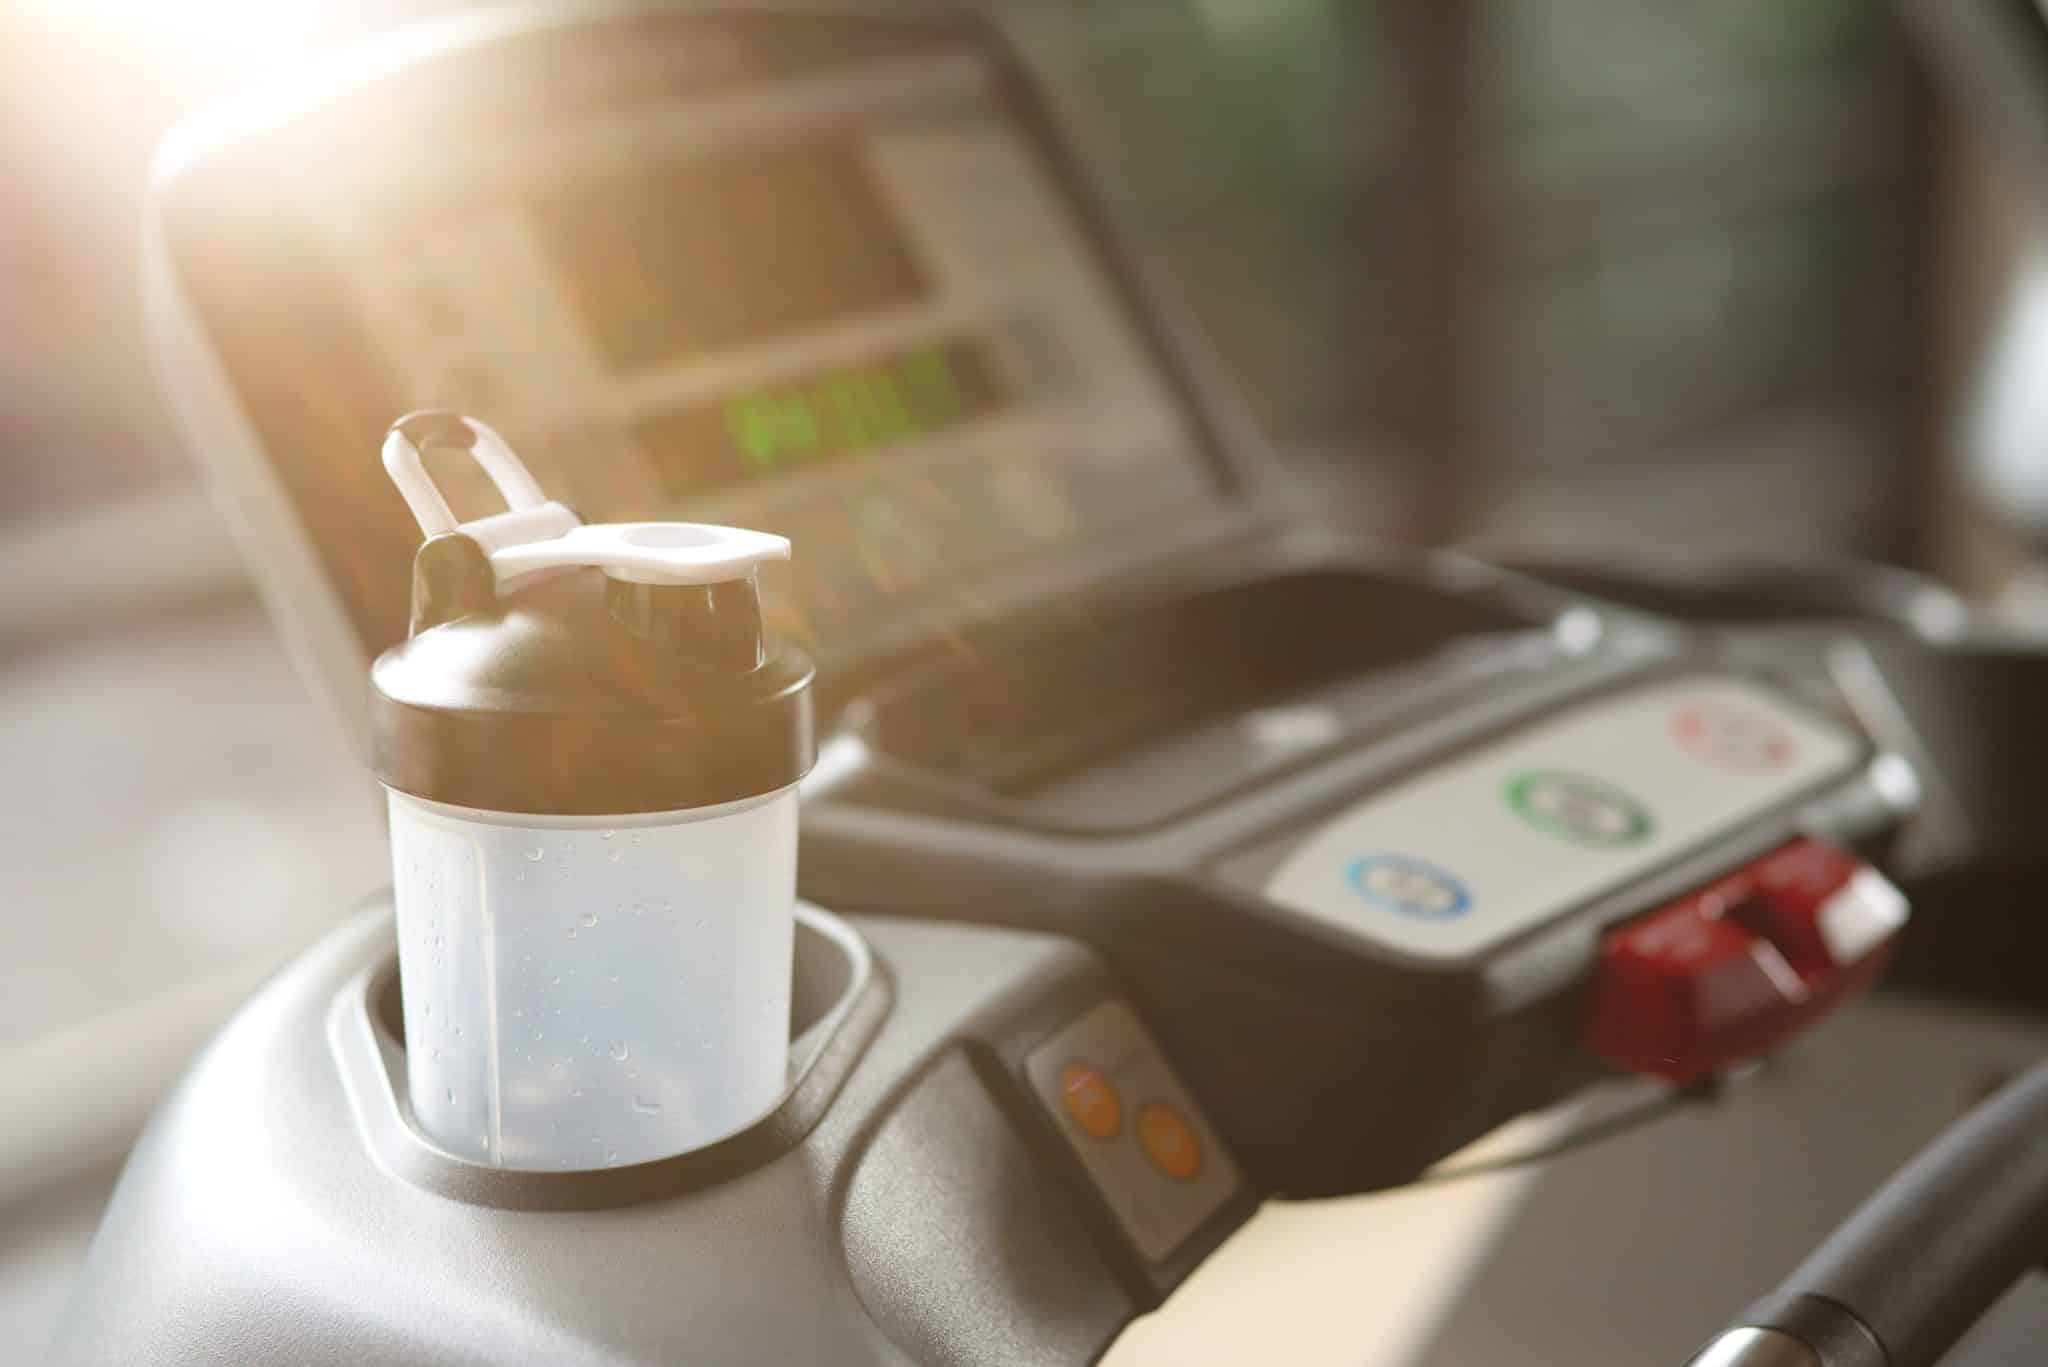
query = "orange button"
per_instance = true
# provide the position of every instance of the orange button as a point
(1168, 1140)
(1091, 1101)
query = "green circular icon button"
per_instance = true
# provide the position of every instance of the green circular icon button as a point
(1573, 807)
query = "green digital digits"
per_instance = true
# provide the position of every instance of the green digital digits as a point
(889, 418)
(770, 428)
(843, 412)
(928, 382)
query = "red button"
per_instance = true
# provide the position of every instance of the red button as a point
(1728, 972)
(1684, 991)
(1792, 885)
(1732, 737)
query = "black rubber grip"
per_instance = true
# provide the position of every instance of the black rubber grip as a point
(1926, 1256)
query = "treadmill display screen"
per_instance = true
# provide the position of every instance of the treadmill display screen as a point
(724, 250)
(844, 296)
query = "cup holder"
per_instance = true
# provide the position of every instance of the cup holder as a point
(838, 999)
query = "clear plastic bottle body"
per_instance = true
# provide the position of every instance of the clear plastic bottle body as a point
(584, 992)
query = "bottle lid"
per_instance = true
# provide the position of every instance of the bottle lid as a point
(560, 668)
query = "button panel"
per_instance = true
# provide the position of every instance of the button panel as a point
(1490, 843)
(1135, 1127)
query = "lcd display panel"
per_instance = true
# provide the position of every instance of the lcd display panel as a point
(835, 289)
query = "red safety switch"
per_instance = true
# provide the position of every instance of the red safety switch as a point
(1728, 972)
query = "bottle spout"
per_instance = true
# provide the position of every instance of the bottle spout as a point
(535, 534)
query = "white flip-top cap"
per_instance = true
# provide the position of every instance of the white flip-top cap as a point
(647, 552)
(535, 534)
(657, 676)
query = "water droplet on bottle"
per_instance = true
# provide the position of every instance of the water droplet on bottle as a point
(578, 1092)
(434, 1055)
(632, 1072)
(589, 918)
(614, 855)
(583, 1039)
(426, 1009)
(518, 1011)
(611, 1156)
(572, 932)
(612, 978)
(636, 837)
(644, 1106)
(555, 981)
(535, 855)
(606, 835)
(451, 1096)
(619, 1050)
(597, 1139)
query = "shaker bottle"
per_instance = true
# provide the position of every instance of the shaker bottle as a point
(591, 752)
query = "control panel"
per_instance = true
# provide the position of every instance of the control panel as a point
(1134, 1126)
(1486, 845)
(1440, 893)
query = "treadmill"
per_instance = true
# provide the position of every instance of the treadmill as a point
(1161, 857)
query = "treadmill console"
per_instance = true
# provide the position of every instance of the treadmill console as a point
(1385, 851)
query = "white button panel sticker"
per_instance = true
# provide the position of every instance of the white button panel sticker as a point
(1487, 845)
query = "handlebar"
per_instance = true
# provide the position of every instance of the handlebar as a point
(1923, 1259)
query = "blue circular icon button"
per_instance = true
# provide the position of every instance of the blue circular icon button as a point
(1410, 886)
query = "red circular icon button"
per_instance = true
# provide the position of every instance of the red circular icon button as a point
(1169, 1141)
(1732, 737)
(1090, 1101)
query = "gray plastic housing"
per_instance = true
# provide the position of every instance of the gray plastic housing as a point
(907, 1204)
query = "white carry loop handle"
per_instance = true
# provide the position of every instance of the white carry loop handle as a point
(535, 534)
